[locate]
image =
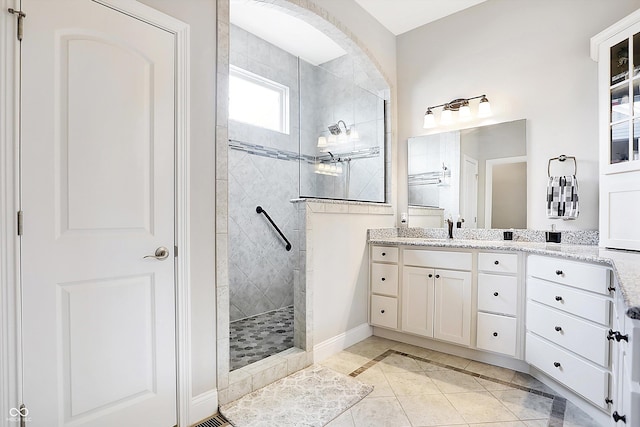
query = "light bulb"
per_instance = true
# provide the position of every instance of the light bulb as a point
(446, 118)
(429, 119)
(465, 112)
(322, 142)
(484, 109)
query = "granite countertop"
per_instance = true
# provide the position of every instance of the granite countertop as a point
(625, 264)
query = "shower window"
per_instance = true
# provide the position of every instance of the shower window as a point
(258, 101)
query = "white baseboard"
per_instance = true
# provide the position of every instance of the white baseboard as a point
(338, 343)
(203, 406)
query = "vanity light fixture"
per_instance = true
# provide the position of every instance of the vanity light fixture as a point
(461, 105)
(338, 135)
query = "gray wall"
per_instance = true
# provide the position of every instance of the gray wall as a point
(201, 17)
(532, 60)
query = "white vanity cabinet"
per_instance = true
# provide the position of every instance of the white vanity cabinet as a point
(436, 299)
(617, 51)
(625, 342)
(383, 306)
(568, 322)
(498, 303)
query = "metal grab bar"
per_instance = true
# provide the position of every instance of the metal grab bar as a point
(262, 211)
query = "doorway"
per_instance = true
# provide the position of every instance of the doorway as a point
(101, 151)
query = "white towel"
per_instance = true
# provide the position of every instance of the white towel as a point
(562, 197)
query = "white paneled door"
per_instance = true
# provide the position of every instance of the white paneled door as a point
(98, 136)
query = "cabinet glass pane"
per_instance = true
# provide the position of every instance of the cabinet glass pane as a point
(636, 137)
(636, 54)
(620, 103)
(636, 97)
(619, 62)
(620, 142)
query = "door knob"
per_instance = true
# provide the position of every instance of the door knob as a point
(161, 253)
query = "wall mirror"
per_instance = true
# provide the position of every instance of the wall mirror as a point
(477, 174)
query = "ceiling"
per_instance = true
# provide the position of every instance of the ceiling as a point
(285, 31)
(400, 16)
(301, 39)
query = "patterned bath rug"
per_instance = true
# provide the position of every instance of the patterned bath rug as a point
(311, 397)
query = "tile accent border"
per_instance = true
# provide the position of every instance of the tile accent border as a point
(274, 153)
(556, 418)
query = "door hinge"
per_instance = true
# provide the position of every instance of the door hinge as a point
(21, 15)
(20, 223)
(175, 252)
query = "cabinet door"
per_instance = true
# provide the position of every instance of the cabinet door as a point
(418, 300)
(452, 320)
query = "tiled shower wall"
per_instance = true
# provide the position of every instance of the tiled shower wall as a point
(260, 269)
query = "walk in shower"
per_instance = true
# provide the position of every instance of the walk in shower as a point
(297, 129)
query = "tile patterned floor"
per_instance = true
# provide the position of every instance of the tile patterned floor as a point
(417, 387)
(258, 337)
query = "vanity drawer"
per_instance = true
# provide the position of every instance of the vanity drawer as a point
(585, 338)
(589, 306)
(497, 333)
(498, 294)
(384, 279)
(498, 262)
(590, 277)
(384, 254)
(384, 311)
(438, 259)
(583, 377)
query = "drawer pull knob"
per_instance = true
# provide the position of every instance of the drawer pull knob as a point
(556, 364)
(617, 335)
(558, 328)
(617, 417)
(382, 311)
(496, 262)
(495, 334)
(620, 337)
(495, 294)
(384, 253)
(383, 279)
(430, 275)
(437, 276)
(559, 272)
(558, 298)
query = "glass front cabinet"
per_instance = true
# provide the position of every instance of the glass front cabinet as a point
(617, 51)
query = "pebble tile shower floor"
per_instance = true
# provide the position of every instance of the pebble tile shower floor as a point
(261, 336)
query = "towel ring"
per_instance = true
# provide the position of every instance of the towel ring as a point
(562, 158)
